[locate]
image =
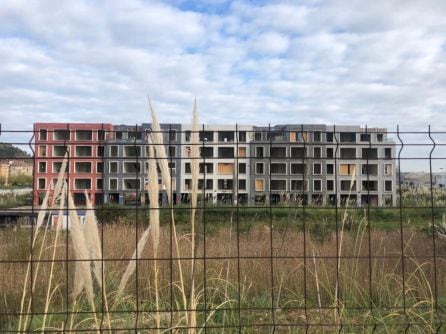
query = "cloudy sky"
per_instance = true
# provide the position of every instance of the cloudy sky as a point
(380, 63)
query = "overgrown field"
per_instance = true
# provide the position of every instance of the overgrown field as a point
(246, 275)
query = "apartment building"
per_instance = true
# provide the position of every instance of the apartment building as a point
(224, 163)
(84, 144)
(310, 164)
(126, 166)
(321, 164)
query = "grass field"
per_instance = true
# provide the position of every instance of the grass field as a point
(289, 275)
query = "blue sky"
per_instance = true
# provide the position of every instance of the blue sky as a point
(380, 63)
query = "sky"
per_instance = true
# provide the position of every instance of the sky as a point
(379, 63)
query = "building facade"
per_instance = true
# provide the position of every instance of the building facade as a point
(224, 163)
(321, 164)
(126, 166)
(84, 146)
(310, 164)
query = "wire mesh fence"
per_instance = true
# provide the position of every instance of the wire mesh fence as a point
(233, 229)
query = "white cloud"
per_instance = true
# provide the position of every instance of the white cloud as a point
(335, 62)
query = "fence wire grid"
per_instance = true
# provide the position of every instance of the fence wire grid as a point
(261, 230)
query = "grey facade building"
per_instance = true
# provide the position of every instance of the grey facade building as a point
(126, 166)
(321, 164)
(295, 163)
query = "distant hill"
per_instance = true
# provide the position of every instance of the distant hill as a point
(8, 151)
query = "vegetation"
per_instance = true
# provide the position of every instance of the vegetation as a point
(9, 151)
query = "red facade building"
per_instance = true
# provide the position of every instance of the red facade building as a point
(85, 146)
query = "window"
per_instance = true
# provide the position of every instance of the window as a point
(370, 153)
(188, 152)
(187, 184)
(113, 184)
(101, 135)
(43, 134)
(83, 151)
(258, 136)
(330, 185)
(172, 151)
(297, 168)
(387, 169)
(387, 185)
(57, 166)
(113, 151)
(99, 167)
(259, 152)
(242, 184)
(187, 135)
(99, 184)
(226, 152)
(207, 136)
(379, 137)
(347, 137)
(317, 185)
(365, 137)
(242, 152)
(278, 168)
(100, 151)
(299, 185)
(131, 184)
(42, 151)
(207, 168)
(260, 168)
(347, 169)
(329, 137)
(348, 185)
(41, 183)
(206, 152)
(132, 151)
(122, 135)
(84, 135)
(209, 183)
(242, 136)
(225, 184)
(387, 153)
(61, 135)
(317, 136)
(113, 167)
(260, 184)
(297, 152)
(242, 168)
(82, 167)
(59, 151)
(225, 136)
(82, 184)
(317, 152)
(172, 135)
(329, 152)
(330, 169)
(187, 168)
(42, 167)
(369, 185)
(278, 152)
(369, 169)
(317, 169)
(348, 153)
(277, 185)
(132, 167)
